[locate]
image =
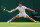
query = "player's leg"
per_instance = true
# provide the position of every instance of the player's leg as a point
(13, 18)
(31, 19)
(26, 16)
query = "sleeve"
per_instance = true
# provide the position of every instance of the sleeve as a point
(25, 7)
(16, 7)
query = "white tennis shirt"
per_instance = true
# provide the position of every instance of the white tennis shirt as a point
(21, 9)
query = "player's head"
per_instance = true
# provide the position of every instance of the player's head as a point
(20, 4)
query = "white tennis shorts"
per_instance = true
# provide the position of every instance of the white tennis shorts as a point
(22, 15)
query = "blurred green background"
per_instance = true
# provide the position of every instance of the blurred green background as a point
(12, 4)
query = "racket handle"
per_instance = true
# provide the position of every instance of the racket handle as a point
(8, 11)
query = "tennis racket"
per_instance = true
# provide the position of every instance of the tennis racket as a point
(4, 8)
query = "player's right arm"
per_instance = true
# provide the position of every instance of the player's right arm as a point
(12, 10)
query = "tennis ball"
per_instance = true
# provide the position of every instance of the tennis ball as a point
(4, 9)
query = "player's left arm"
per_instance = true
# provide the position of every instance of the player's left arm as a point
(30, 9)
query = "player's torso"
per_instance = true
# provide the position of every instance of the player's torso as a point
(21, 9)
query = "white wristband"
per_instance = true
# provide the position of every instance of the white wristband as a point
(11, 10)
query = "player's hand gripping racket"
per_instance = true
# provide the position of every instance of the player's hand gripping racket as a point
(4, 8)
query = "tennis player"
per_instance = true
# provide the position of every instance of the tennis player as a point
(22, 13)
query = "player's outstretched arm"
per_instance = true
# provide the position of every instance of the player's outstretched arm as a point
(12, 10)
(30, 9)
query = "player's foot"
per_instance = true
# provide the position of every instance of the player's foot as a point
(36, 21)
(9, 21)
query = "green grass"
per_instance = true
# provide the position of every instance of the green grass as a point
(19, 24)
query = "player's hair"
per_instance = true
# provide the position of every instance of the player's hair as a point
(20, 2)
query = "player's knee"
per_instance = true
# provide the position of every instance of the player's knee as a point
(27, 16)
